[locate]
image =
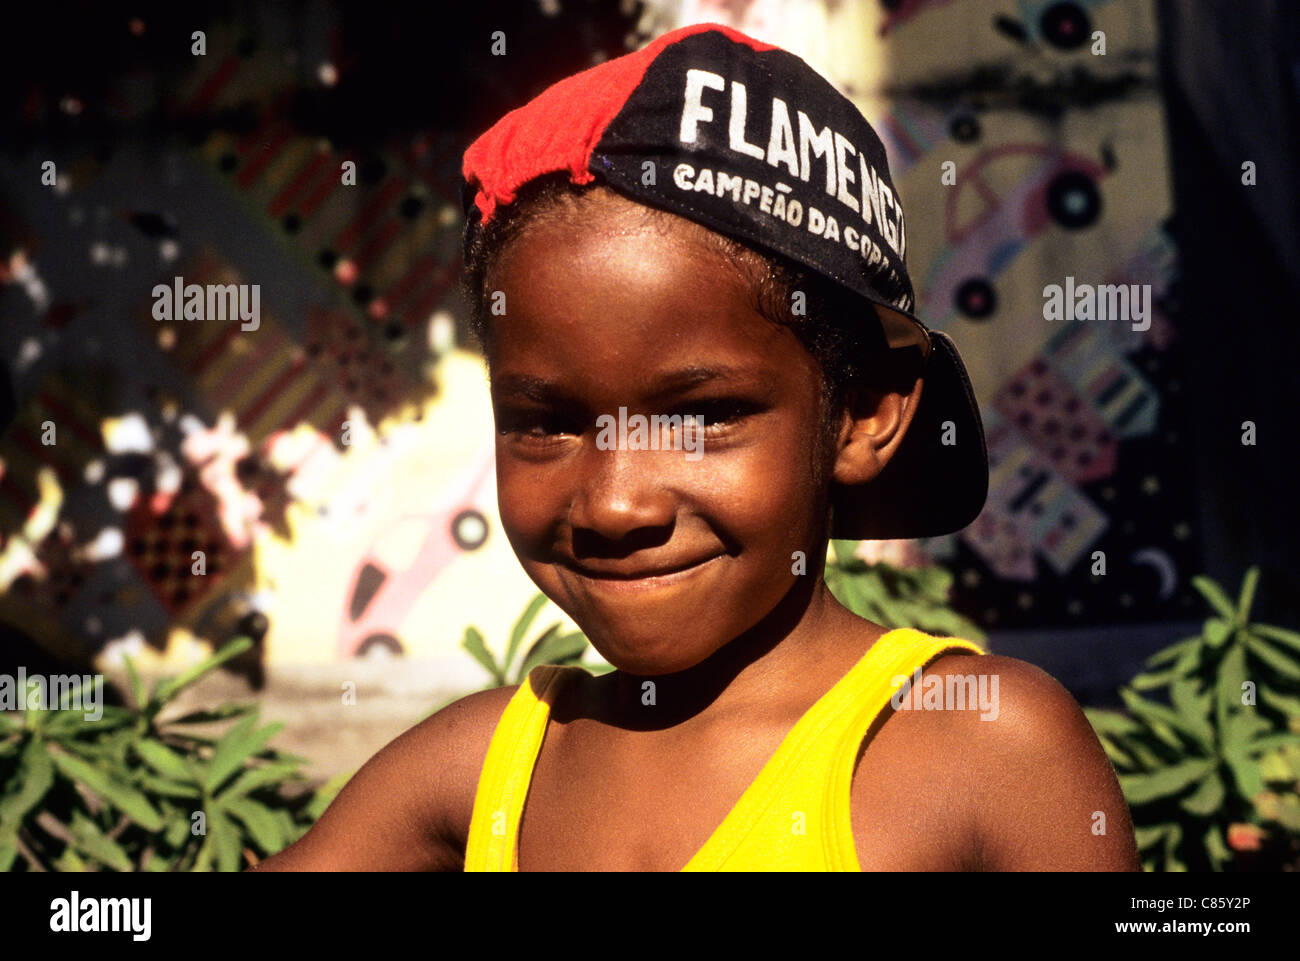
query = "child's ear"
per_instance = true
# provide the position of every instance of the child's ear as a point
(874, 422)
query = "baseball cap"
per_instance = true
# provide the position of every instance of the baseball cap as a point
(748, 140)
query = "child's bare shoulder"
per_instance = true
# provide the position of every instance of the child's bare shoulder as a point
(408, 808)
(1011, 763)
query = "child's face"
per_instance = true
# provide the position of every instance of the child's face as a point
(607, 310)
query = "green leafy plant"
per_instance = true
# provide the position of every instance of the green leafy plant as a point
(132, 792)
(1193, 764)
(897, 597)
(552, 647)
(1273, 843)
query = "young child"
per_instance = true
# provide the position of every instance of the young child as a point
(705, 232)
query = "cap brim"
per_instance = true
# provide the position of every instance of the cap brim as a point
(937, 481)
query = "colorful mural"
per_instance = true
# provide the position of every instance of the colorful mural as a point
(324, 481)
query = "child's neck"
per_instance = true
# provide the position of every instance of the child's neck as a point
(807, 642)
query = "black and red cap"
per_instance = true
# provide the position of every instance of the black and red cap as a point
(748, 140)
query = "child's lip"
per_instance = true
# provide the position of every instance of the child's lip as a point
(622, 580)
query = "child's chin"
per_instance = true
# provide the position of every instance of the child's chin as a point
(650, 660)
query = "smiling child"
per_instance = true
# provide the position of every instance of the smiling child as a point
(705, 231)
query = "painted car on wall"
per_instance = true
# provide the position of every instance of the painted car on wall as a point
(1058, 188)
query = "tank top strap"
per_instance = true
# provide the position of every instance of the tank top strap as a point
(508, 770)
(795, 815)
(908, 651)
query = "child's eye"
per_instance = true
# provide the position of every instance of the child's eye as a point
(536, 426)
(715, 415)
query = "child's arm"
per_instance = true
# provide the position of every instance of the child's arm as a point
(408, 808)
(1044, 795)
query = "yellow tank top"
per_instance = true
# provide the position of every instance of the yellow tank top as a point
(794, 816)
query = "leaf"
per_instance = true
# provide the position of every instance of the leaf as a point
(1284, 809)
(1214, 594)
(933, 583)
(225, 840)
(91, 841)
(1289, 706)
(1147, 757)
(33, 777)
(134, 684)
(207, 851)
(1141, 788)
(1247, 597)
(1207, 798)
(1289, 638)
(1116, 754)
(1172, 840)
(1235, 739)
(521, 628)
(1273, 769)
(1193, 709)
(69, 862)
(1147, 836)
(845, 552)
(1241, 730)
(260, 822)
(1111, 722)
(253, 778)
(121, 796)
(552, 648)
(1155, 714)
(178, 830)
(289, 829)
(174, 789)
(1216, 847)
(477, 648)
(1217, 631)
(238, 744)
(1245, 773)
(222, 713)
(163, 759)
(1270, 742)
(1148, 682)
(1274, 658)
(1232, 675)
(1173, 651)
(67, 724)
(164, 691)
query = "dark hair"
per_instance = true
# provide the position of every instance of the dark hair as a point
(832, 328)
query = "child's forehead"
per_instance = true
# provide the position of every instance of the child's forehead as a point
(601, 208)
(601, 214)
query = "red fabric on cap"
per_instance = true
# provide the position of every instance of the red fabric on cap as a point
(560, 127)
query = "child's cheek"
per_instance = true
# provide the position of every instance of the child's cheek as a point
(525, 503)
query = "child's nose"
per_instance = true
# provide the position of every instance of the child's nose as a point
(620, 491)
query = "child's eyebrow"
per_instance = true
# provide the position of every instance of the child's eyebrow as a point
(665, 385)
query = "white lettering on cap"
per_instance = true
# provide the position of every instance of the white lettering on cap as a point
(736, 129)
(842, 146)
(823, 145)
(780, 146)
(693, 110)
